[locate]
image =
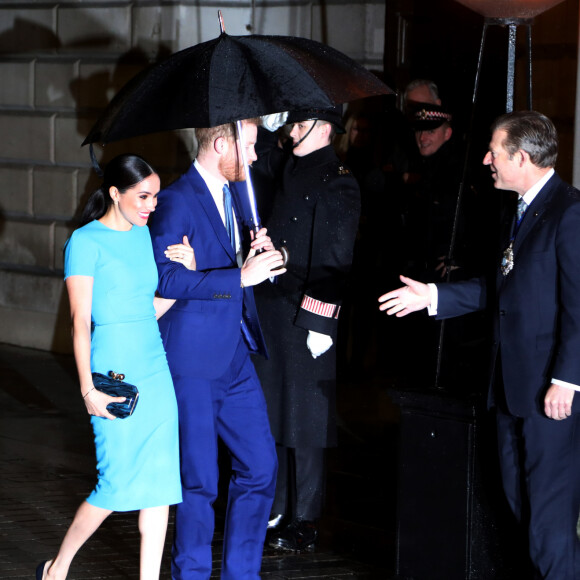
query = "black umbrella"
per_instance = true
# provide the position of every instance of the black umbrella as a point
(229, 79)
(232, 78)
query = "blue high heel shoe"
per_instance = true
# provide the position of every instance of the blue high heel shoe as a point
(40, 570)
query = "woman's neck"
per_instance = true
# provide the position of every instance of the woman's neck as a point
(114, 220)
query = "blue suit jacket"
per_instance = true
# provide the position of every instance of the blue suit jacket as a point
(536, 307)
(202, 329)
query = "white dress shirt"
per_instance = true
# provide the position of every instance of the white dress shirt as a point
(216, 188)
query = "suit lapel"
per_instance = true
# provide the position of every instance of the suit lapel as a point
(206, 201)
(534, 213)
(532, 217)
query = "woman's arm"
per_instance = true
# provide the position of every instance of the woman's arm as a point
(80, 292)
(162, 305)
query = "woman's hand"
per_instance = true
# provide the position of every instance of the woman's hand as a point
(182, 253)
(96, 403)
(162, 305)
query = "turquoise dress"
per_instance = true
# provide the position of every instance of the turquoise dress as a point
(137, 457)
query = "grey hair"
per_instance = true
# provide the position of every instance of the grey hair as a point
(433, 88)
(531, 132)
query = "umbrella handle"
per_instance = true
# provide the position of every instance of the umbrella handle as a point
(256, 228)
(282, 249)
(285, 256)
(252, 197)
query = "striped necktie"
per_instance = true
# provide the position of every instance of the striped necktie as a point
(522, 207)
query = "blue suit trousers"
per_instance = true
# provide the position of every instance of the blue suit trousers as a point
(233, 408)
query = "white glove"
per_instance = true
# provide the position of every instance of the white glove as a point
(274, 121)
(318, 343)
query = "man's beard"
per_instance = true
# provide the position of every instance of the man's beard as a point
(231, 167)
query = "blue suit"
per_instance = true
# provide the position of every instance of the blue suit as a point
(218, 392)
(536, 313)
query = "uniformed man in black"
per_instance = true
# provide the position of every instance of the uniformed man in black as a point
(430, 192)
(314, 213)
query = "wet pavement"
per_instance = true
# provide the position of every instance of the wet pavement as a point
(47, 469)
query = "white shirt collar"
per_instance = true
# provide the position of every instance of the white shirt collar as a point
(214, 184)
(216, 188)
(530, 195)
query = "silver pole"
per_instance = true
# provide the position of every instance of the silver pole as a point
(249, 183)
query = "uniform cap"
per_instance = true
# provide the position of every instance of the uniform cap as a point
(331, 115)
(428, 116)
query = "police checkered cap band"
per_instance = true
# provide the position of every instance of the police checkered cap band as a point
(429, 115)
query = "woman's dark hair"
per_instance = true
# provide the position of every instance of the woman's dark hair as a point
(122, 172)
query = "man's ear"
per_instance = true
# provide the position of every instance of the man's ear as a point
(448, 133)
(220, 145)
(326, 129)
(522, 157)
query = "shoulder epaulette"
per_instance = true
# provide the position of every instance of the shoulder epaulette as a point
(336, 170)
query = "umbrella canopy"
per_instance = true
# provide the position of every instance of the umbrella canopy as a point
(232, 78)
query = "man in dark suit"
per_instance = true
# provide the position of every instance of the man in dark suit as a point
(208, 336)
(536, 348)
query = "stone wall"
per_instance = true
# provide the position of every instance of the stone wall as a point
(60, 64)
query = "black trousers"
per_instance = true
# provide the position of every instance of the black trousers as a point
(301, 483)
(541, 479)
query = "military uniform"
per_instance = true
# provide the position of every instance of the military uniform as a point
(315, 214)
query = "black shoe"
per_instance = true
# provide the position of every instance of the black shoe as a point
(298, 536)
(275, 521)
(40, 570)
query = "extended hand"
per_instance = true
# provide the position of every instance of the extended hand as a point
(412, 297)
(260, 267)
(558, 402)
(182, 253)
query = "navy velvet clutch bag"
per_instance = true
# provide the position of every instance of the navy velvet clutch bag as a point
(114, 386)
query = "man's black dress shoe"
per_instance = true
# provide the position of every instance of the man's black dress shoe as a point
(40, 570)
(298, 536)
(275, 521)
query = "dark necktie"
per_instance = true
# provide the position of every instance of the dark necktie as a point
(229, 215)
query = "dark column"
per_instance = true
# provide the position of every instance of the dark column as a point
(453, 521)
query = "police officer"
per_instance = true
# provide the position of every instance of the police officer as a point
(315, 214)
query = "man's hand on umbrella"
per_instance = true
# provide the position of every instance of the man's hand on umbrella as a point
(260, 267)
(261, 241)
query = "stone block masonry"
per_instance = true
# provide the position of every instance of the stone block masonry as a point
(60, 64)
